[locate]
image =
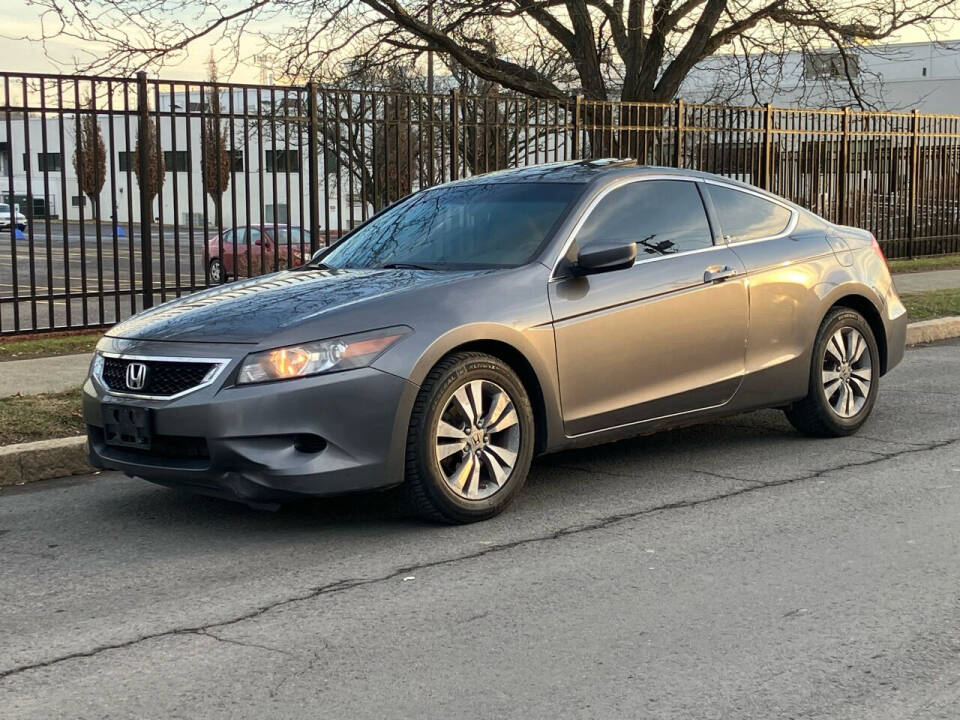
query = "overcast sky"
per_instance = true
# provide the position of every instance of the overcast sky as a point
(17, 19)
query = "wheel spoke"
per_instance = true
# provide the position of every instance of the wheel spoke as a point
(864, 374)
(831, 388)
(445, 450)
(848, 396)
(830, 376)
(498, 472)
(499, 404)
(509, 419)
(507, 457)
(863, 387)
(464, 402)
(476, 398)
(461, 476)
(859, 345)
(446, 430)
(835, 347)
(472, 488)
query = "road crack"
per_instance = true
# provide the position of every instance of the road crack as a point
(352, 583)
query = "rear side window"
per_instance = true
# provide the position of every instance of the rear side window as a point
(746, 217)
(662, 216)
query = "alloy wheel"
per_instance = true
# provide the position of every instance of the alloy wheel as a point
(216, 272)
(477, 439)
(847, 372)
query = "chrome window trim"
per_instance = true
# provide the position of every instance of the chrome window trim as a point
(791, 225)
(219, 365)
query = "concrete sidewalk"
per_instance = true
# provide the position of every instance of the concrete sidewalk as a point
(923, 281)
(43, 375)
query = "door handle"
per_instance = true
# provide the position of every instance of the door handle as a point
(718, 273)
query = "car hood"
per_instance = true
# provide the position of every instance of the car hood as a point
(250, 311)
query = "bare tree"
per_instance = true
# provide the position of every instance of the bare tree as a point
(152, 181)
(214, 159)
(631, 50)
(90, 157)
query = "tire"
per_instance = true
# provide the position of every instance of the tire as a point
(831, 409)
(215, 273)
(456, 477)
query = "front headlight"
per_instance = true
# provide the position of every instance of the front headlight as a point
(340, 353)
(96, 365)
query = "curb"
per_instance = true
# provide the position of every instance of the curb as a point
(927, 331)
(43, 460)
(47, 459)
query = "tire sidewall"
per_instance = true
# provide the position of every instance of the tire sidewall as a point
(438, 395)
(215, 264)
(834, 321)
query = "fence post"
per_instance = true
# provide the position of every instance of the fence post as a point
(768, 147)
(678, 143)
(914, 180)
(146, 202)
(577, 107)
(313, 179)
(843, 168)
(454, 134)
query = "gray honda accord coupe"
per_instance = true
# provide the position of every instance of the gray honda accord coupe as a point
(472, 326)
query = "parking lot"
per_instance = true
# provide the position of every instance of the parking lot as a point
(728, 570)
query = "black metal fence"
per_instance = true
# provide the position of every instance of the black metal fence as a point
(122, 192)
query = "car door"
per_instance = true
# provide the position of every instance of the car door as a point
(664, 337)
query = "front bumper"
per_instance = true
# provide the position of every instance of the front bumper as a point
(322, 435)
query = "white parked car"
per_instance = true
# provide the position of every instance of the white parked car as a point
(20, 221)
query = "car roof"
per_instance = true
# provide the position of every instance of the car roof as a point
(585, 172)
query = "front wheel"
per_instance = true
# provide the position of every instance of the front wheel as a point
(215, 273)
(844, 378)
(470, 441)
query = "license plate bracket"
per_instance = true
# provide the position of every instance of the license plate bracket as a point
(127, 426)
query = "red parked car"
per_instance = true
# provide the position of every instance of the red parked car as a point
(266, 252)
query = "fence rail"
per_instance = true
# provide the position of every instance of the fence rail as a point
(128, 191)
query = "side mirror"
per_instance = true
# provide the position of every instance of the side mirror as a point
(604, 257)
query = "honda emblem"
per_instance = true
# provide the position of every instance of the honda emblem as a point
(136, 375)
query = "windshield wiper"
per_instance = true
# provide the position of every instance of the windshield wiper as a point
(313, 266)
(404, 266)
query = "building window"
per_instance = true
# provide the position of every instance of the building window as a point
(236, 160)
(49, 161)
(4, 159)
(176, 160)
(78, 200)
(276, 213)
(830, 65)
(282, 161)
(125, 161)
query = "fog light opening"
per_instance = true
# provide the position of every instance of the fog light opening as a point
(309, 443)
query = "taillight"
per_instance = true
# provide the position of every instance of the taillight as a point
(876, 247)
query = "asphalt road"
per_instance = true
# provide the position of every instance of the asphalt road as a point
(730, 570)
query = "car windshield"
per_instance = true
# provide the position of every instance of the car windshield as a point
(460, 227)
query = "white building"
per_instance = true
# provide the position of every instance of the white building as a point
(895, 77)
(268, 180)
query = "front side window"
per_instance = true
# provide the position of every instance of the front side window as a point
(662, 216)
(744, 216)
(460, 227)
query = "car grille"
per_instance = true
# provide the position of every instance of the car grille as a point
(163, 378)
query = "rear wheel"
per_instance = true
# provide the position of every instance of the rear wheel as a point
(215, 272)
(470, 441)
(844, 376)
